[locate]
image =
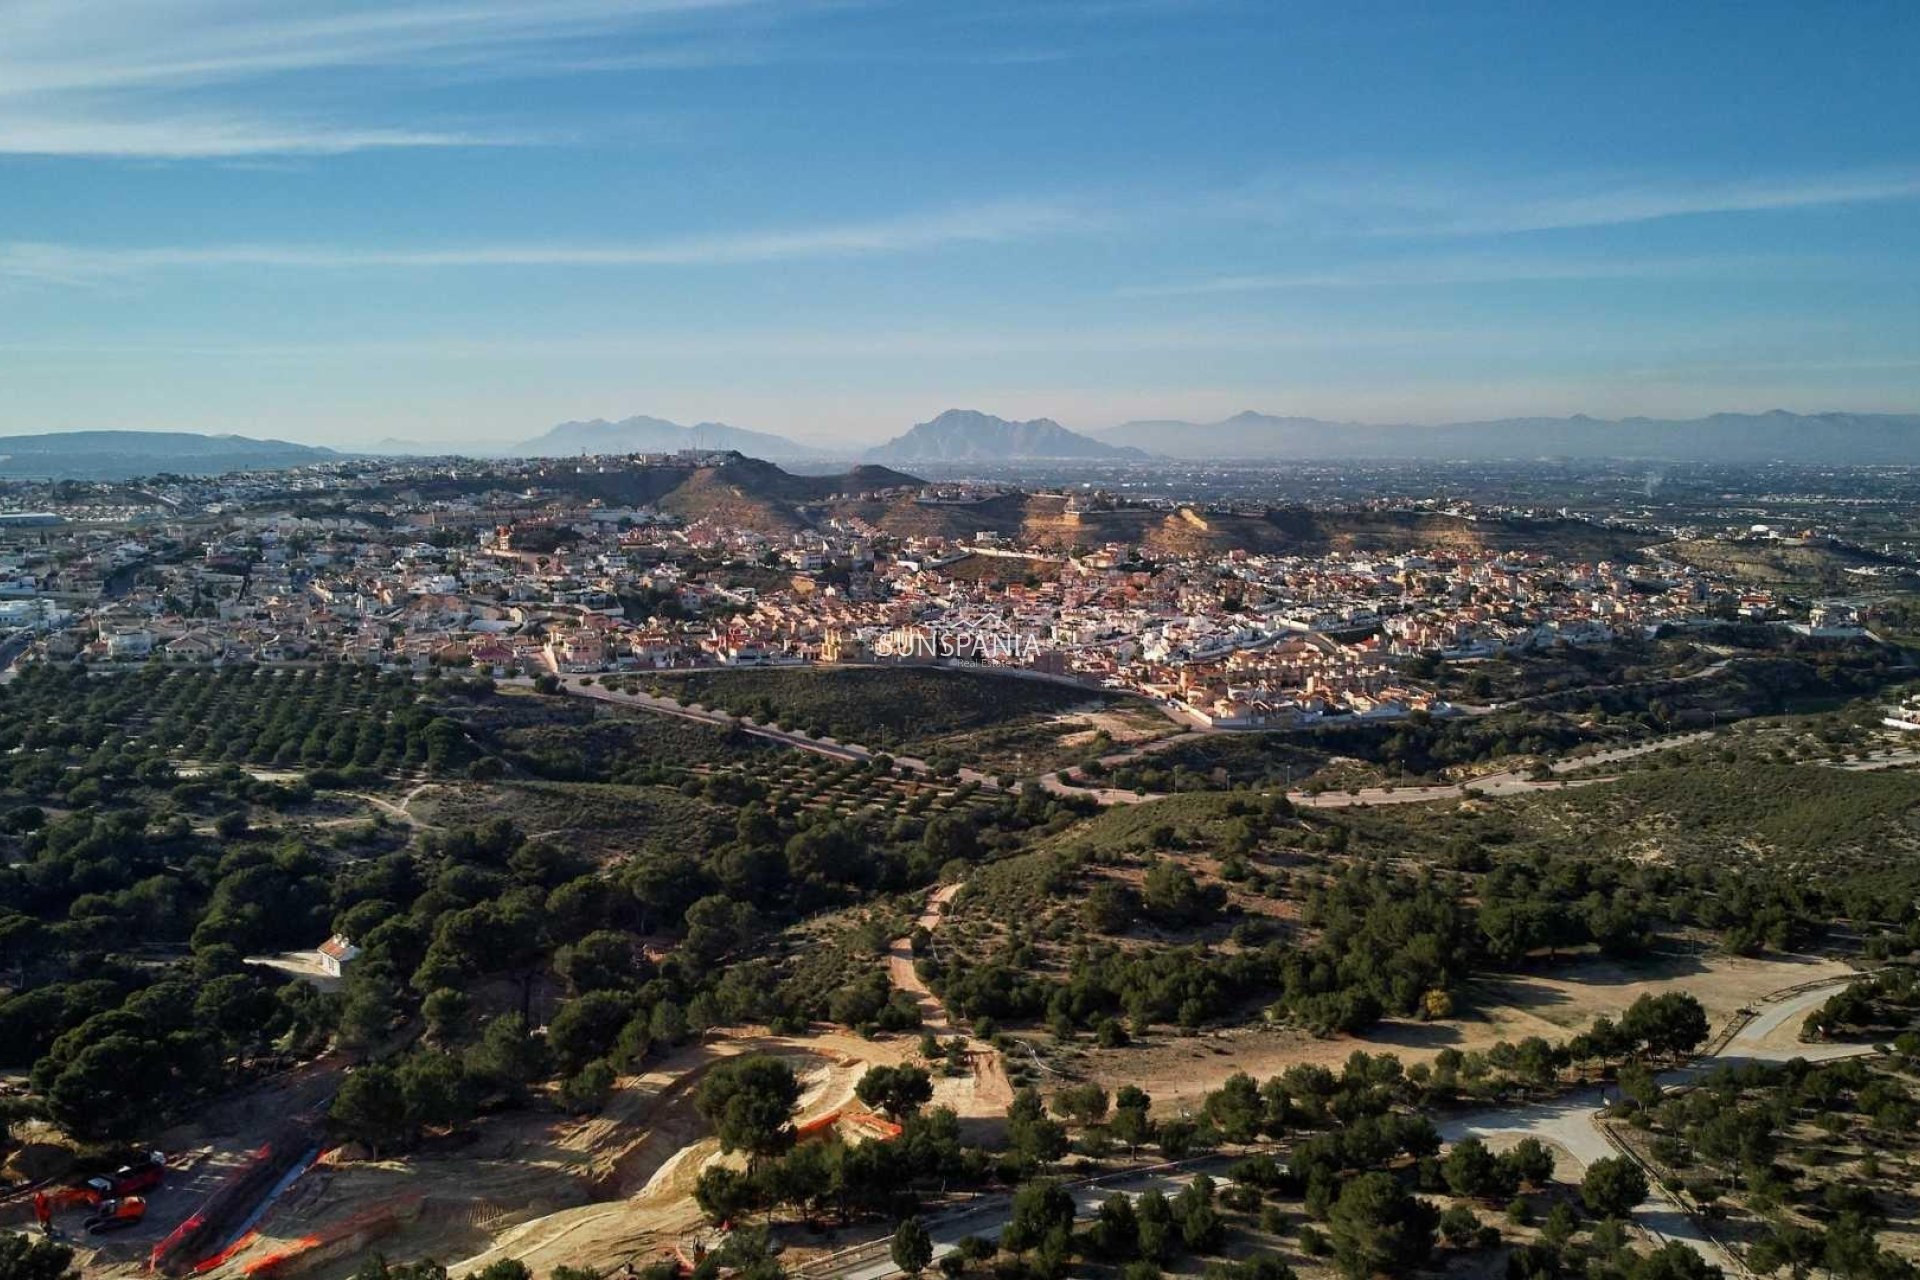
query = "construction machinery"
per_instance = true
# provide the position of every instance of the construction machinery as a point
(132, 1179)
(111, 1199)
(116, 1215)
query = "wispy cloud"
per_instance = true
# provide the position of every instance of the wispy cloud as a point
(204, 136)
(979, 224)
(1451, 271)
(177, 79)
(1493, 207)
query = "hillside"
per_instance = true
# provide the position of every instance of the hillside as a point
(967, 435)
(1784, 565)
(1827, 438)
(120, 455)
(1043, 519)
(749, 492)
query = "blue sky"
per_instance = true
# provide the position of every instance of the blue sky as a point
(464, 220)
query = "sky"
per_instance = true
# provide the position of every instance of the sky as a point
(461, 221)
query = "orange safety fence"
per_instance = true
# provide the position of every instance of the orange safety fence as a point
(315, 1248)
(818, 1127)
(227, 1254)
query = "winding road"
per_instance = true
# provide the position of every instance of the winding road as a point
(1568, 1121)
(785, 737)
(1571, 1121)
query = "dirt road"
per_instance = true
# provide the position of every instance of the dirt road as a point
(992, 1090)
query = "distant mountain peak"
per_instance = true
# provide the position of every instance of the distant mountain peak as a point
(643, 433)
(121, 455)
(969, 435)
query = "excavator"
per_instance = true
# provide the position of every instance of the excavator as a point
(116, 1215)
(109, 1205)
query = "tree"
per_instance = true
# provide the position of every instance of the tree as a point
(1672, 1023)
(378, 1268)
(749, 1102)
(1673, 1261)
(912, 1247)
(436, 1090)
(24, 1258)
(504, 1269)
(1460, 1226)
(1083, 1103)
(1039, 1209)
(1472, 1170)
(1530, 1162)
(1377, 1226)
(897, 1091)
(1612, 1187)
(507, 1058)
(370, 1107)
(1030, 1134)
(1131, 1126)
(589, 1088)
(723, 1194)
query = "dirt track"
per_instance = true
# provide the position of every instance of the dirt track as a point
(549, 1189)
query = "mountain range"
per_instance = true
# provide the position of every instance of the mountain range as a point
(1843, 439)
(122, 455)
(967, 435)
(642, 434)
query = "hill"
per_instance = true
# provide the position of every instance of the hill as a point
(120, 455)
(1045, 520)
(967, 435)
(747, 492)
(642, 434)
(1844, 439)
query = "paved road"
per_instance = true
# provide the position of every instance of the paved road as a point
(786, 737)
(1568, 1121)
(1508, 782)
(10, 650)
(989, 1215)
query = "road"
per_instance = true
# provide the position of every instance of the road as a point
(786, 737)
(989, 1215)
(10, 650)
(1570, 1121)
(1567, 1121)
(1505, 783)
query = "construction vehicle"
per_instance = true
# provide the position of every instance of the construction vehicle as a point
(116, 1215)
(131, 1179)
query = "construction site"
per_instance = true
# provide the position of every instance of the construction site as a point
(538, 1186)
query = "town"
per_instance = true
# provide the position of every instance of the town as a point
(532, 579)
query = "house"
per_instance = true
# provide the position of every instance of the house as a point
(336, 953)
(130, 643)
(194, 646)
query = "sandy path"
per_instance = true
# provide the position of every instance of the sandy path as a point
(990, 1092)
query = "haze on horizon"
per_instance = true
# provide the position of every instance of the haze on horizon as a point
(466, 220)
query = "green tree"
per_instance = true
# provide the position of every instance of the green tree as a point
(1612, 1187)
(1471, 1170)
(749, 1102)
(1039, 1209)
(506, 1057)
(504, 1269)
(897, 1091)
(24, 1258)
(588, 1088)
(912, 1247)
(1378, 1227)
(371, 1107)
(436, 1090)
